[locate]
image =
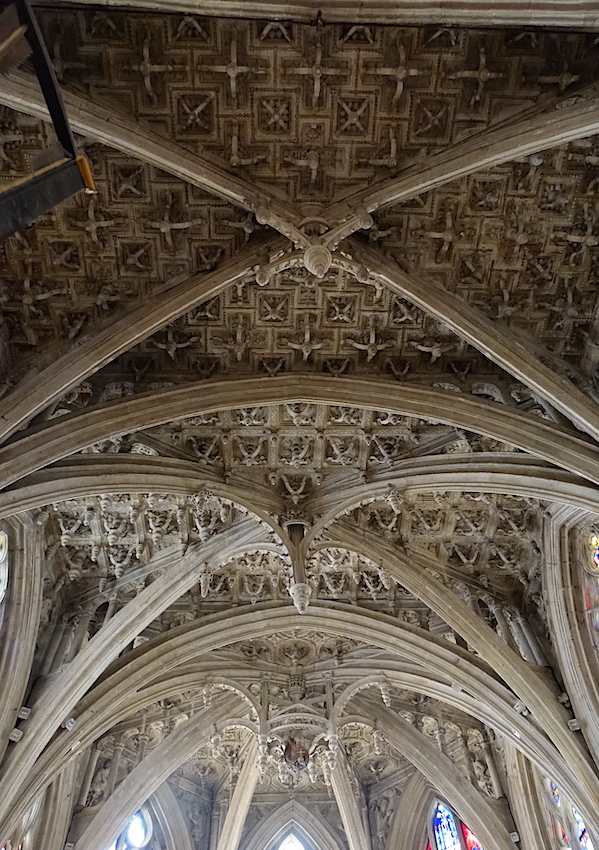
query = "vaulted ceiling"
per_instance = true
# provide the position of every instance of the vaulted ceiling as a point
(326, 335)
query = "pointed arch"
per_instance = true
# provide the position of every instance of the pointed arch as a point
(73, 432)
(168, 813)
(563, 581)
(409, 821)
(91, 474)
(105, 827)
(308, 824)
(517, 673)
(178, 646)
(20, 620)
(441, 772)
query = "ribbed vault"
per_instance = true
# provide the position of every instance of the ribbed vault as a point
(298, 418)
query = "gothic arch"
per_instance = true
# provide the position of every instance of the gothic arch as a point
(158, 765)
(529, 817)
(75, 431)
(184, 179)
(184, 643)
(87, 475)
(20, 618)
(409, 822)
(516, 672)
(149, 775)
(567, 621)
(421, 475)
(292, 816)
(167, 811)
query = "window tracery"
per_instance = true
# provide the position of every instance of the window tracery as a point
(594, 545)
(569, 826)
(291, 842)
(590, 561)
(450, 833)
(3, 564)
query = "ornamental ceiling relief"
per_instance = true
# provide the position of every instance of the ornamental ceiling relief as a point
(310, 118)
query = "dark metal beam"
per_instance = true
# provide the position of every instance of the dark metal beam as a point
(26, 200)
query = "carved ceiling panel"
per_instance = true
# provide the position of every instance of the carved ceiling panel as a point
(310, 110)
(299, 323)
(303, 115)
(103, 546)
(493, 539)
(294, 447)
(518, 242)
(93, 257)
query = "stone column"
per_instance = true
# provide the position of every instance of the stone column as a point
(214, 826)
(440, 737)
(222, 814)
(94, 755)
(113, 602)
(464, 751)
(142, 742)
(358, 837)
(533, 641)
(53, 647)
(493, 772)
(84, 620)
(497, 611)
(65, 640)
(236, 813)
(114, 768)
(519, 636)
(54, 819)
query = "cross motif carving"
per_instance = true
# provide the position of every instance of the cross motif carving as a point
(353, 116)
(233, 70)
(317, 71)
(165, 226)
(400, 73)
(147, 68)
(194, 116)
(481, 75)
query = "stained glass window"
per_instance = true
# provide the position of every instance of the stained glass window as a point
(595, 551)
(581, 831)
(555, 793)
(472, 842)
(445, 829)
(565, 841)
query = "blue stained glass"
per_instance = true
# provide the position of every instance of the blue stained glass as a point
(581, 831)
(446, 833)
(555, 793)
